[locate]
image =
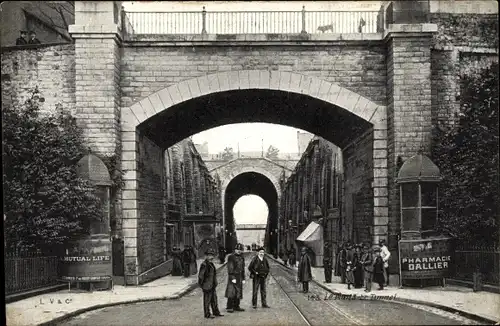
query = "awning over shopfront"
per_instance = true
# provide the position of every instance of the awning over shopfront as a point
(312, 237)
(312, 233)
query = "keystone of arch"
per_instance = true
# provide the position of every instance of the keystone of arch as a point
(248, 79)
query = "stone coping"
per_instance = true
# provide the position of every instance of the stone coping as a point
(254, 39)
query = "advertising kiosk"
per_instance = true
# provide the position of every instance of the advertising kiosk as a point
(423, 252)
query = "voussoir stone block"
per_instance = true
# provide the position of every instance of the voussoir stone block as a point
(224, 83)
(264, 80)
(285, 80)
(184, 91)
(275, 79)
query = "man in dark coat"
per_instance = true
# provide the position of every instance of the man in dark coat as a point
(327, 263)
(33, 39)
(358, 267)
(235, 280)
(207, 280)
(186, 261)
(259, 269)
(343, 262)
(367, 262)
(193, 266)
(378, 268)
(21, 40)
(304, 271)
(222, 254)
(291, 257)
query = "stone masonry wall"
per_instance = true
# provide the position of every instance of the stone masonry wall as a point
(148, 69)
(150, 233)
(97, 92)
(358, 191)
(51, 68)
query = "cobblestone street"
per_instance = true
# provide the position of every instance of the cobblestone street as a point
(284, 295)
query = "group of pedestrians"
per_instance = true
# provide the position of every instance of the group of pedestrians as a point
(23, 40)
(184, 261)
(288, 257)
(207, 279)
(359, 265)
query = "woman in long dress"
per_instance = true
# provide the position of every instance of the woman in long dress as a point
(358, 268)
(304, 270)
(350, 267)
(193, 266)
(176, 262)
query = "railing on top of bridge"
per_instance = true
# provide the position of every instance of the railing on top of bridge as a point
(253, 22)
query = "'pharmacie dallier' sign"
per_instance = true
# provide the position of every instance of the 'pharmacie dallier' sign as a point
(425, 259)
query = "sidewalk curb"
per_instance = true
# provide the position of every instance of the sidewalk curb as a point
(466, 314)
(175, 296)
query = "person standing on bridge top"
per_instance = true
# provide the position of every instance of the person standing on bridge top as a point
(259, 269)
(21, 40)
(304, 271)
(235, 279)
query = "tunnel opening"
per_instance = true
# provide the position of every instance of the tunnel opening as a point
(250, 214)
(250, 183)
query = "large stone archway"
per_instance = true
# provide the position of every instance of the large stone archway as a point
(135, 119)
(291, 82)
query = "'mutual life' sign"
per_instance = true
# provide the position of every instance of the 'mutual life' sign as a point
(425, 259)
(89, 260)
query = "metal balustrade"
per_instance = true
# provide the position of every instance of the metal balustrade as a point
(252, 22)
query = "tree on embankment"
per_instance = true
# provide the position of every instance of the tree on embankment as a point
(467, 155)
(45, 202)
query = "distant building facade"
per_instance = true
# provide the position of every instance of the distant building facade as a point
(249, 234)
(48, 19)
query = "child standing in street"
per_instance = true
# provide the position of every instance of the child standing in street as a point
(378, 268)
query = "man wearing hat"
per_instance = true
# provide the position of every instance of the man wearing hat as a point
(236, 279)
(33, 39)
(304, 270)
(21, 40)
(259, 269)
(207, 279)
(367, 263)
(386, 254)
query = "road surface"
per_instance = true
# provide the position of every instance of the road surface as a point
(289, 306)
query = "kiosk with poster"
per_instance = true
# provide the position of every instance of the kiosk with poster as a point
(423, 252)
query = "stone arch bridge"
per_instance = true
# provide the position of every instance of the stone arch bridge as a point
(378, 94)
(250, 176)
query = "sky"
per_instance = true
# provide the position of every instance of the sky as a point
(250, 209)
(249, 136)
